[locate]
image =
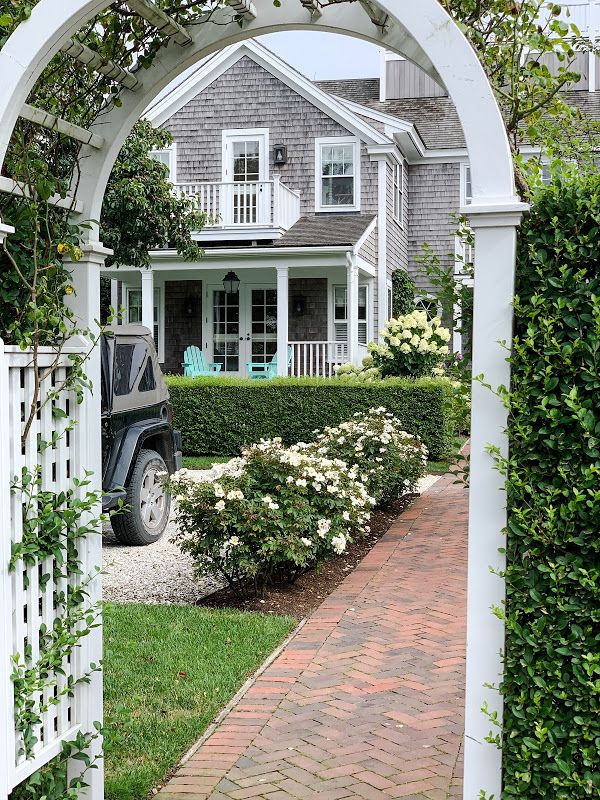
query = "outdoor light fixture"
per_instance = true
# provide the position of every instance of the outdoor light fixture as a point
(231, 283)
(299, 304)
(189, 306)
(280, 154)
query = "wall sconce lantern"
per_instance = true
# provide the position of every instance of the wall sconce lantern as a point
(299, 304)
(189, 306)
(231, 283)
(279, 155)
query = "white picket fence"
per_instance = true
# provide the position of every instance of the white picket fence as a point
(28, 598)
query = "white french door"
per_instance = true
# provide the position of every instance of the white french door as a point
(245, 196)
(242, 327)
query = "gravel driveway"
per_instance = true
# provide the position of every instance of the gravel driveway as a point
(160, 573)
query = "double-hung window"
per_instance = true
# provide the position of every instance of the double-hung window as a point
(168, 158)
(399, 193)
(337, 174)
(340, 313)
(466, 186)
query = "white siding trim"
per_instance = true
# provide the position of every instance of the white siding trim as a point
(172, 151)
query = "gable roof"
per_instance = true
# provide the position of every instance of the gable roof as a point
(209, 70)
(359, 90)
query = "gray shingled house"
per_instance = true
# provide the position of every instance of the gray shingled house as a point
(314, 192)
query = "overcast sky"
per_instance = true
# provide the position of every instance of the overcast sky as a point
(325, 55)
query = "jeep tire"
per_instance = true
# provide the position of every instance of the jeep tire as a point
(148, 505)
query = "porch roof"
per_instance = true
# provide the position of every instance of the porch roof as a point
(328, 230)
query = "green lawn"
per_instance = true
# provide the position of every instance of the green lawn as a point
(168, 671)
(203, 462)
(442, 467)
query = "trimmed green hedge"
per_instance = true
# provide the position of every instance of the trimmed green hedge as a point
(552, 680)
(218, 416)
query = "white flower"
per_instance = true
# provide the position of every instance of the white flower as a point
(161, 474)
(220, 506)
(339, 543)
(306, 542)
(331, 489)
(301, 482)
(323, 527)
(180, 498)
(235, 494)
(218, 490)
(346, 515)
(234, 541)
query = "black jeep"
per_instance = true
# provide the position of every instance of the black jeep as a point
(138, 441)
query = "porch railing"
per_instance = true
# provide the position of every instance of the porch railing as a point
(260, 204)
(317, 359)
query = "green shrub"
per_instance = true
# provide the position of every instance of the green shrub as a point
(218, 416)
(403, 293)
(552, 683)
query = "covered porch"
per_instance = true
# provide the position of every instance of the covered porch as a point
(309, 309)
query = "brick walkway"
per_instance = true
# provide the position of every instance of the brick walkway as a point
(366, 701)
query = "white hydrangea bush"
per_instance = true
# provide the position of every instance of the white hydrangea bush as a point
(412, 345)
(269, 515)
(388, 460)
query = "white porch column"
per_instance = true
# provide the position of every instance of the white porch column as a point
(148, 299)
(114, 300)
(352, 307)
(495, 242)
(282, 320)
(381, 248)
(85, 304)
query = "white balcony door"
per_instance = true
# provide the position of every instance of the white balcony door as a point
(242, 327)
(245, 196)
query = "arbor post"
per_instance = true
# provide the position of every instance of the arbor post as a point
(85, 304)
(495, 247)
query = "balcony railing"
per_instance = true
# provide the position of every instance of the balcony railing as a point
(319, 359)
(249, 204)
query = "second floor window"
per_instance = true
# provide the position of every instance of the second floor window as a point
(337, 175)
(167, 157)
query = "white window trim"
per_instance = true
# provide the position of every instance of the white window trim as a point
(339, 140)
(399, 219)
(231, 135)
(465, 168)
(159, 299)
(172, 151)
(332, 286)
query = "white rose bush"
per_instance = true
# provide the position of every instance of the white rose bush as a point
(389, 460)
(277, 511)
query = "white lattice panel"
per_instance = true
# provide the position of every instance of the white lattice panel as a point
(37, 591)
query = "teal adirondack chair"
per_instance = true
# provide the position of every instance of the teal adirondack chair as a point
(195, 366)
(266, 371)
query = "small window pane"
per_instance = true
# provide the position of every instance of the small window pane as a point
(148, 382)
(129, 360)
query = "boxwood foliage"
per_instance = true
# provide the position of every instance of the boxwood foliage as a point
(218, 416)
(552, 681)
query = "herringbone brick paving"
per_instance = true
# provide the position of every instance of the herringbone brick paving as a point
(366, 701)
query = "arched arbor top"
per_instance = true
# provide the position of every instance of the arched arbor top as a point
(421, 32)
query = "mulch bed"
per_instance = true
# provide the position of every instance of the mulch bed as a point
(305, 595)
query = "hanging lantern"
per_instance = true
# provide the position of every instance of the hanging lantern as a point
(231, 283)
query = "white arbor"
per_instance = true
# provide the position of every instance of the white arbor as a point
(423, 33)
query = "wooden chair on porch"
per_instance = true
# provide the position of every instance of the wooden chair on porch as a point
(195, 366)
(266, 370)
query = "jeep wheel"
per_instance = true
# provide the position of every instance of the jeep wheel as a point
(148, 504)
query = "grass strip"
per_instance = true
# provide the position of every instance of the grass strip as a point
(168, 671)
